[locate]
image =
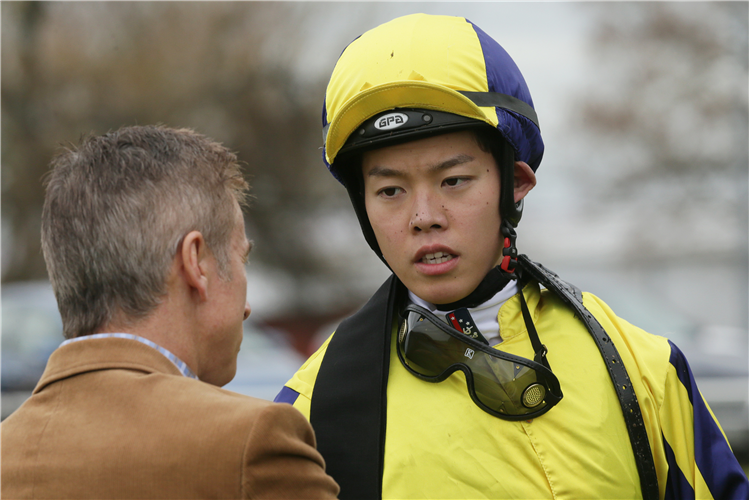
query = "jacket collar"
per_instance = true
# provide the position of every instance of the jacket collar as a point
(103, 354)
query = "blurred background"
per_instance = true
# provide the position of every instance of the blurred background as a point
(641, 197)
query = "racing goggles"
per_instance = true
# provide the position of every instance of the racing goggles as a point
(504, 385)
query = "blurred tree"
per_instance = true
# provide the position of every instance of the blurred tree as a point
(665, 127)
(223, 68)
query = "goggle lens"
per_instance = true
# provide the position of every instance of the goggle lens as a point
(505, 385)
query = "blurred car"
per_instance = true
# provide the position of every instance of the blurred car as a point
(32, 329)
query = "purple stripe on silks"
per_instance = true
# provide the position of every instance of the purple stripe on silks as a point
(683, 371)
(327, 165)
(503, 76)
(286, 396)
(325, 124)
(325, 141)
(324, 112)
(712, 454)
(677, 486)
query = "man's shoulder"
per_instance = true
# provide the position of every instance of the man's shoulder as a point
(118, 416)
(177, 412)
(114, 371)
(174, 395)
(128, 367)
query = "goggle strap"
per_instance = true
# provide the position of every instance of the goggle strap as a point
(538, 347)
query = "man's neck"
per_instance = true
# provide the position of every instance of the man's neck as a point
(162, 327)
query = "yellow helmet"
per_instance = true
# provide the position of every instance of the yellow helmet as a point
(438, 63)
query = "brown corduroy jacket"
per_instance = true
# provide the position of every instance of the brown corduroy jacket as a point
(114, 418)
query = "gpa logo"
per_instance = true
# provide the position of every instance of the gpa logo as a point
(469, 353)
(391, 121)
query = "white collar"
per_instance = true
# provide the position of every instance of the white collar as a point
(485, 315)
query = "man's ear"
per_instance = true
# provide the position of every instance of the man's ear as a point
(525, 180)
(194, 252)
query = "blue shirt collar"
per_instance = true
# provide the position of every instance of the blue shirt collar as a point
(181, 365)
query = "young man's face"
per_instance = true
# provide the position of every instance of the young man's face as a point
(434, 208)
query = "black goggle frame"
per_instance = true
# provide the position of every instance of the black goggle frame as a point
(529, 388)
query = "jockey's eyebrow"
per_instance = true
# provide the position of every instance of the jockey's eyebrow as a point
(379, 171)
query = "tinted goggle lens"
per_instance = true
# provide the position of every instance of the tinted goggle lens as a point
(502, 384)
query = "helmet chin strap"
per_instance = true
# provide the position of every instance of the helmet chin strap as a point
(510, 211)
(509, 251)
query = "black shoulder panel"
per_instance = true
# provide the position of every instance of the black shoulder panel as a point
(349, 400)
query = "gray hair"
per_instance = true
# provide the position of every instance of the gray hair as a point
(116, 210)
